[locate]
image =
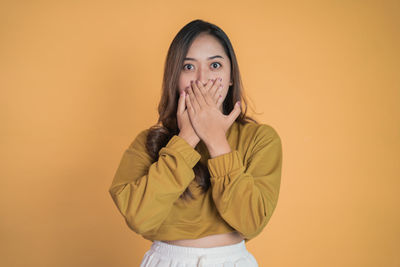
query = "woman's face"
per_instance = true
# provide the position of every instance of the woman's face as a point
(206, 59)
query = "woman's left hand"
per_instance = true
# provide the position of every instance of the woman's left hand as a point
(209, 123)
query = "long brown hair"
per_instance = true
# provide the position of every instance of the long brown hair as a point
(167, 126)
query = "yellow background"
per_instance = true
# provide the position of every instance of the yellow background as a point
(79, 80)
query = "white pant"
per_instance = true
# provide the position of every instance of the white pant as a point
(162, 254)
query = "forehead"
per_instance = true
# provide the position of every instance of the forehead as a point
(205, 45)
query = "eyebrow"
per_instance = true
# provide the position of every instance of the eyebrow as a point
(190, 58)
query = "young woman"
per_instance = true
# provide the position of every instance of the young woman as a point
(206, 179)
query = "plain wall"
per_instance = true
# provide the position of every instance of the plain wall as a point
(80, 79)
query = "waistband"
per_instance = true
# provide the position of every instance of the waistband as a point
(171, 250)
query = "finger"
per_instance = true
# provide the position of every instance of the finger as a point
(189, 106)
(234, 113)
(212, 84)
(193, 101)
(217, 93)
(181, 102)
(219, 101)
(215, 87)
(198, 94)
(202, 87)
(209, 84)
(208, 100)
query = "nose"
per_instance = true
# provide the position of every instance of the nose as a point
(204, 75)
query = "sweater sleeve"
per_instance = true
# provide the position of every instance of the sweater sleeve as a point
(246, 197)
(144, 191)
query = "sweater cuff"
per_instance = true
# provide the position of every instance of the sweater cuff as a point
(188, 153)
(225, 164)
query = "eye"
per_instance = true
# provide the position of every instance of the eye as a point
(186, 65)
(213, 64)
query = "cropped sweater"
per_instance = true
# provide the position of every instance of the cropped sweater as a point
(242, 196)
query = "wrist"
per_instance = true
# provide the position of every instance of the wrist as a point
(218, 148)
(191, 140)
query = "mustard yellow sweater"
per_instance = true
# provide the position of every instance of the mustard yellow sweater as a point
(243, 194)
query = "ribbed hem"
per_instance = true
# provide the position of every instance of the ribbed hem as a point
(170, 249)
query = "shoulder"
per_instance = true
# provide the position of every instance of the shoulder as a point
(262, 137)
(257, 131)
(267, 131)
(264, 141)
(140, 139)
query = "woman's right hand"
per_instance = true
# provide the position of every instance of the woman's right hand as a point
(185, 126)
